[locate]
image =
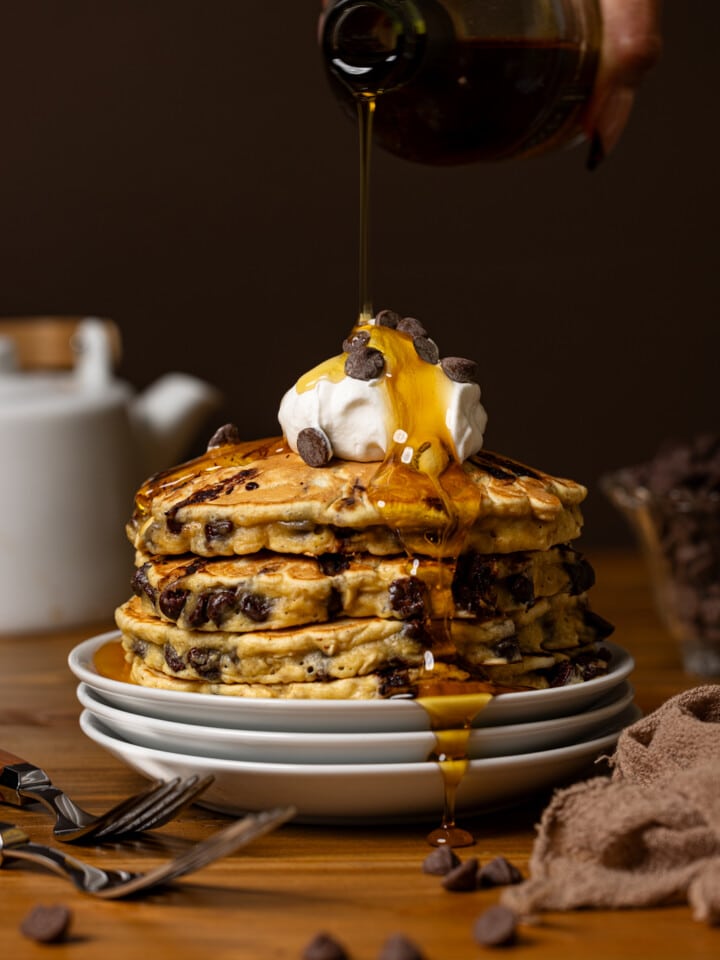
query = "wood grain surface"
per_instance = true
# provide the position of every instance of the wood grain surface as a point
(358, 884)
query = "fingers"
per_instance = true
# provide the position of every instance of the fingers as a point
(631, 46)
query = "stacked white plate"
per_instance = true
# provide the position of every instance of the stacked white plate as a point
(350, 761)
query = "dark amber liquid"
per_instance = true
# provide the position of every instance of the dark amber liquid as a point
(488, 99)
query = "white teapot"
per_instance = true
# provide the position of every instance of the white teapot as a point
(74, 446)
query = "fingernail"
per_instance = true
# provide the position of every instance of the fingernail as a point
(596, 153)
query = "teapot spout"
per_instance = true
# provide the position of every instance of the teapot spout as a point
(168, 415)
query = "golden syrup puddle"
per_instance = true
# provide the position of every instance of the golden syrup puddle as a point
(109, 661)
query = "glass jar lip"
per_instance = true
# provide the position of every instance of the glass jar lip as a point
(623, 488)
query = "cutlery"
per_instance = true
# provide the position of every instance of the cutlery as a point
(22, 783)
(115, 884)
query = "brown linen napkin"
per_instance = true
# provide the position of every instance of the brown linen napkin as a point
(649, 834)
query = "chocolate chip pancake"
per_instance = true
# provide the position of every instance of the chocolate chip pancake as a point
(239, 594)
(243, 498)
(527, 646)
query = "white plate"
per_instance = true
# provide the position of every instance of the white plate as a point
(356, 792)
(266, 746)
(337, 716)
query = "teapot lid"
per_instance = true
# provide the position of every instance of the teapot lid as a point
(88, 386)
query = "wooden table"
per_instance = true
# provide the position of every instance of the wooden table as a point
(359, 884)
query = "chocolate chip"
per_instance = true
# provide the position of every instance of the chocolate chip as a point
(218, 529)
(198, 616)
(407, 597)
(388, 318)
(499, 872)
(496, 927)
(228, 433)
(333, 563)
(205, 662)
(426, 349)
(252, 485)
(562, 674)
(47, 924)
(507, 649)
(581, 575)
(412, 326)
(356, 341)
(255, 606)
(441, 861)
(219, 604)
(314, 447)
(365, 364)
(462, 878)
(521, 587)
(140, 583)
(324, 947)
(173, 659)
(460, 369)
(172, 601)
(398, 947)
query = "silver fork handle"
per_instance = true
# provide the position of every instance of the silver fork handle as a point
(15, 845)
(22, 783)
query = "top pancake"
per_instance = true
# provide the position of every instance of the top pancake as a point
(242, 498)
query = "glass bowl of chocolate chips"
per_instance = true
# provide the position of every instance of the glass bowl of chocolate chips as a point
(672, 503)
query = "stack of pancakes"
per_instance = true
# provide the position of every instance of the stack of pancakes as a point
(260, 576)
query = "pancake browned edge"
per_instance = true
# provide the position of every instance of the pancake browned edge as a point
(258, 575)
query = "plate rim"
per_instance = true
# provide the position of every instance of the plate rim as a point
(567, 752)
(80, 664)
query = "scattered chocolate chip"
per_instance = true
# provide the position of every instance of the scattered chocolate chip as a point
(460, 369)
(314, 447)
(408, 597)
(426, 349)
(398, 947)
(218, 529)
(228, 433)
(581, 576)
(462, 878)
(255, 606)
(496, 927)
(324, 947)
(441, 861)
(47, 924)
(366, 363)
(356, 341)
(252, 485)
(499, 872)
(388, 318)
(412, 326)
(172, 601)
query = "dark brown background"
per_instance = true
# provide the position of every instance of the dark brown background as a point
(180, 166)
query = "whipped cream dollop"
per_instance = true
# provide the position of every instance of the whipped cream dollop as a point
(388, 391)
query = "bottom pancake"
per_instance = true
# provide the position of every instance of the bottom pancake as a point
(525, 649)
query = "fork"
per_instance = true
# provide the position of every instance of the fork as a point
(115, 884)
(22, 783)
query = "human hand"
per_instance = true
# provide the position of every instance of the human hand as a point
(631, 46)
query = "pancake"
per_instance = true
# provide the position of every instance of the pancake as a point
(533, 641)
(240, 498)
(239, 594)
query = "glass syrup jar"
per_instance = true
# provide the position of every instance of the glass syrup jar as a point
(456, 81)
